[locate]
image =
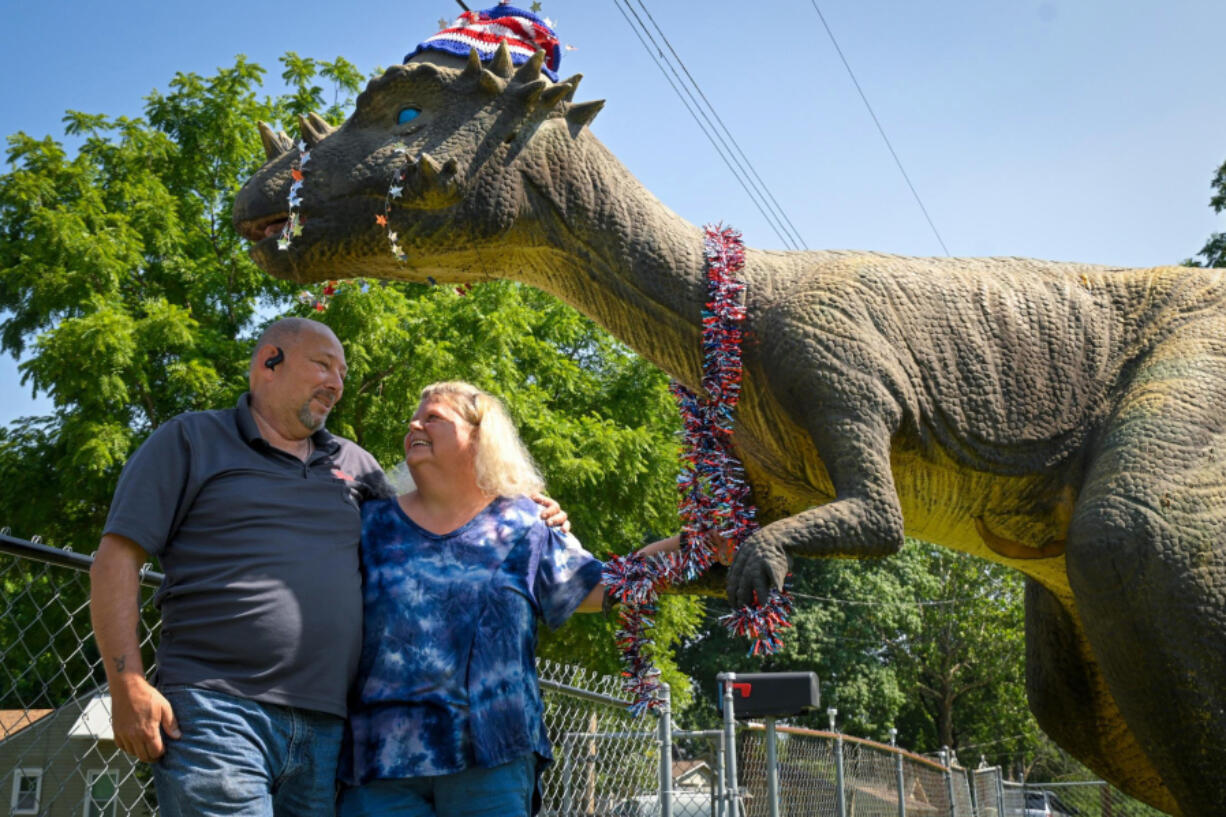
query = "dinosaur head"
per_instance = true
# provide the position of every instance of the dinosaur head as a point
(435, 164)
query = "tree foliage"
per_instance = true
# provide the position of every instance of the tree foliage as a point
(928, 641)
(1214, 251)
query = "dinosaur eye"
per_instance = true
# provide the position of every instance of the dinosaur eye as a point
(406, 115)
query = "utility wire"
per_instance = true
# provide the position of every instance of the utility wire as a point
(695, 110)
(899, 603)
(708, 129)
(880, 129)
(744, 159)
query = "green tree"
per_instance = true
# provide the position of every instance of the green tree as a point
(1214, 251)
(962, 655)
(928, 641)
(125, 287)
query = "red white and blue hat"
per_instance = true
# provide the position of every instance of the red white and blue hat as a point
(522, 31)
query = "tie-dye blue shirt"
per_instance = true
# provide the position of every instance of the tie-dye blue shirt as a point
(447, 679)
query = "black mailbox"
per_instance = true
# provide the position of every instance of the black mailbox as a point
(773, 694)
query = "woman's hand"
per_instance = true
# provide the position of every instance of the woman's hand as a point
(552, 512)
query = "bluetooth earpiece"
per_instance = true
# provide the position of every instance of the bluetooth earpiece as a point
(275, 359)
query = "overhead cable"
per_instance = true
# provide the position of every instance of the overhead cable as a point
(703, 116)
(880, 129)
(777, 209)
(893, 602)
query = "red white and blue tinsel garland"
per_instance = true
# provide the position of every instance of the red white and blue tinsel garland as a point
(714, 495)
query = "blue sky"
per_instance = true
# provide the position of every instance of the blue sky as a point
(1082, 131)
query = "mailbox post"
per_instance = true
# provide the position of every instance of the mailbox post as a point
(767, 695)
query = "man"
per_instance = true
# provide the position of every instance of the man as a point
(254, 514)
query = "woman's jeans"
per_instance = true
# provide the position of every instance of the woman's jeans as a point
(243, 758)
(503, 791)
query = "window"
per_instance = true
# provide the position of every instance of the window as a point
(101, 793)
(27, 789)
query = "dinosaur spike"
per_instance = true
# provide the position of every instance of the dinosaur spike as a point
(573, 82)
(501, 64)
(530, 71)
(583, 113)
(322, 125)
(274, 143)
(310, 135)
(473, 69)
(429, 168)
(553, 95)
(492, 84)
(532, 90)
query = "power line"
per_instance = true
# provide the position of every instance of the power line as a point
(892, 603)
(880, 129)
(774, 216)
(777, 208)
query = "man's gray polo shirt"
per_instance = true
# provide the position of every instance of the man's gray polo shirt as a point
(262, 597)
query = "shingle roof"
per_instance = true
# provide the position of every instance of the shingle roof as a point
(13, 721)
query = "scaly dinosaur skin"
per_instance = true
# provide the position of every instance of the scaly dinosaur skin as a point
(1066, 420)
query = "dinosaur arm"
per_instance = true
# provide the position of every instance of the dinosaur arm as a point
(863, 521)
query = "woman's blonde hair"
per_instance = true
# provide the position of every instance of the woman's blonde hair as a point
(504, 466)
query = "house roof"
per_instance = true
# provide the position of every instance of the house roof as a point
(95, 719)
(683, 769)
(13, 721)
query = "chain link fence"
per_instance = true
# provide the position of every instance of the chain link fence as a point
(57, 758)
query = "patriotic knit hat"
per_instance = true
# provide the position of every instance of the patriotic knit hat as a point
(522, 31)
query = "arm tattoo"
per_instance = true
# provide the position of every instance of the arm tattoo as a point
(120, 663)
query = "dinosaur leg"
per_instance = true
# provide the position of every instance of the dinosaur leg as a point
(1069, 698)
(1147, 563)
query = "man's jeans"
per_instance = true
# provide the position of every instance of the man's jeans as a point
(243, 758)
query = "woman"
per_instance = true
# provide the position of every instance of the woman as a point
(446, 716)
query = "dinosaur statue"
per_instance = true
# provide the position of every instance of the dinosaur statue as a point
(1065, 420)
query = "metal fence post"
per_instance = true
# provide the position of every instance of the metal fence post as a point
(946, 761)
(772, 767)
(902, 786)
(1000, 791)
(666, 751)
(840, 795)
(731, 791)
